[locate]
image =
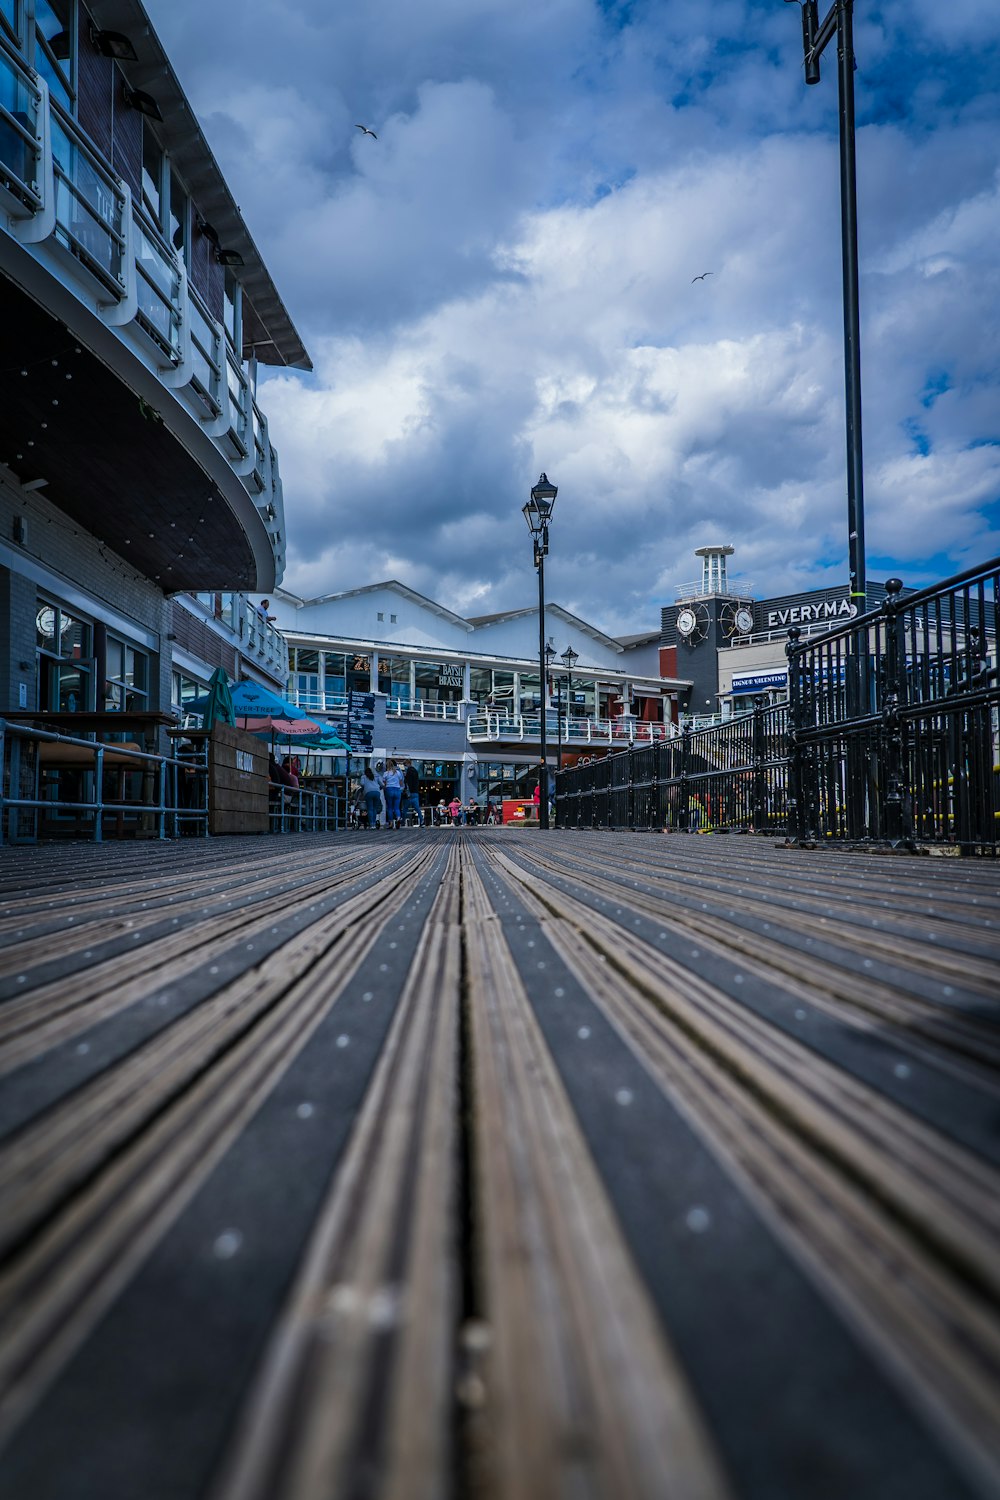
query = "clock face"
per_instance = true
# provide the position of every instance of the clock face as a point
(744, 621)
(686, 621)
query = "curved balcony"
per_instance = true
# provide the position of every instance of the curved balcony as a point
(158, 446)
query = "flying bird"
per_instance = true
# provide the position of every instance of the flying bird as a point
(367, 131)
(701, 277)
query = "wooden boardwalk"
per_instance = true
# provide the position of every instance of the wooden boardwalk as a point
(498, 1164)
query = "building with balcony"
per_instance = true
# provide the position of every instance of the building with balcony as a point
(461, 696)
(137, 473)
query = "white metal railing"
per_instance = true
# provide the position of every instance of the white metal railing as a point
(417, 708)
(206, 353)
(623, 730)
(237, 393)
(20, 135)
(158, 286)
(89, 203)
(263, 640)
(738, 590)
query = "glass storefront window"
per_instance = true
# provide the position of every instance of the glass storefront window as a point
(126, 677)
(334, 677)
(183, 690)
(394, 677)
(64, 651)
(529, 692)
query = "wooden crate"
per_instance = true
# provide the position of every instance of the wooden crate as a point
(237, 781)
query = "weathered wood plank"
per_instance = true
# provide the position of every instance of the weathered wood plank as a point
(473, 1162)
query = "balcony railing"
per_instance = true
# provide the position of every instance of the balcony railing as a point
(206, 354)
(417, 708)
(90, 204)
(59, 195)
(499, 726)
(21, 100)
(158, 286)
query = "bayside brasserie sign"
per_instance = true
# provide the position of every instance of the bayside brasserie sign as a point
(786, 613)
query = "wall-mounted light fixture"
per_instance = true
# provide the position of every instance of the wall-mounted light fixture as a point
(144, 103)
(113, 44)
(228, 257)
(208, 230)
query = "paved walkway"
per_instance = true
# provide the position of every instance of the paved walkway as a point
(498, 1164)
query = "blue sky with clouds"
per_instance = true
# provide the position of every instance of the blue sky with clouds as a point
(502, 283)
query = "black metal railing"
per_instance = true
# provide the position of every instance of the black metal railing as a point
(890, 734)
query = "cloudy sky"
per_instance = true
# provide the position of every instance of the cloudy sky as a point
(502, 283)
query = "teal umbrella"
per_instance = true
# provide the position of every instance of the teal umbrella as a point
(217, 705)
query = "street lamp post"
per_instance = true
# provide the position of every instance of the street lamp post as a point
(538, 512)
(570, 657)
(839, 22)
(550, 655)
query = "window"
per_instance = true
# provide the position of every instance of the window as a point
(126, 677)
(152, 174)
(380, 616)
(54, 49)
(179, 228)
(233, 311)
(10, 16)
(394, 677)
(392, 619)
(183, 690)
(334, 678)
(64, 654)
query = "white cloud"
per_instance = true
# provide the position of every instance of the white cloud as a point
(503, 283)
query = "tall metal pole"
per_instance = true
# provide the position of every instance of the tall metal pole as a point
(543, 777)
(839, 21)
(852, 321)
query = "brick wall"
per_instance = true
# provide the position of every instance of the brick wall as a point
(96, 76)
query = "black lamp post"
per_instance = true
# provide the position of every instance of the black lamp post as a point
(570, 657)
(538, 512)
(550, 655)
(839, 21)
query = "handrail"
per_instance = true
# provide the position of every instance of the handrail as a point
(82, 178)
(160, 809)
(23, 91)
(160, 284)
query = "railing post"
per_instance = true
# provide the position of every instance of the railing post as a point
(98, 794)
(891, 729)
(683, 819)
(796, 823)
(630, 803)
(758, 813)
(161, 815)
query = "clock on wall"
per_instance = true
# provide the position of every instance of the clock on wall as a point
(737, 619)
(692, 623)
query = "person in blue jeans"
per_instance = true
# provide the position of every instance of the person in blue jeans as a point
(372, 793)
(393, 787)
(411, 792)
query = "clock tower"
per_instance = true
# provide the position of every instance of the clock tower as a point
(704, 617)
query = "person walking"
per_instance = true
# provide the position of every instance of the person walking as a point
(372, 793)
(411, 793)
(393, 785)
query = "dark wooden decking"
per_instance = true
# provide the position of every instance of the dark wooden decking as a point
(488, 1163)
